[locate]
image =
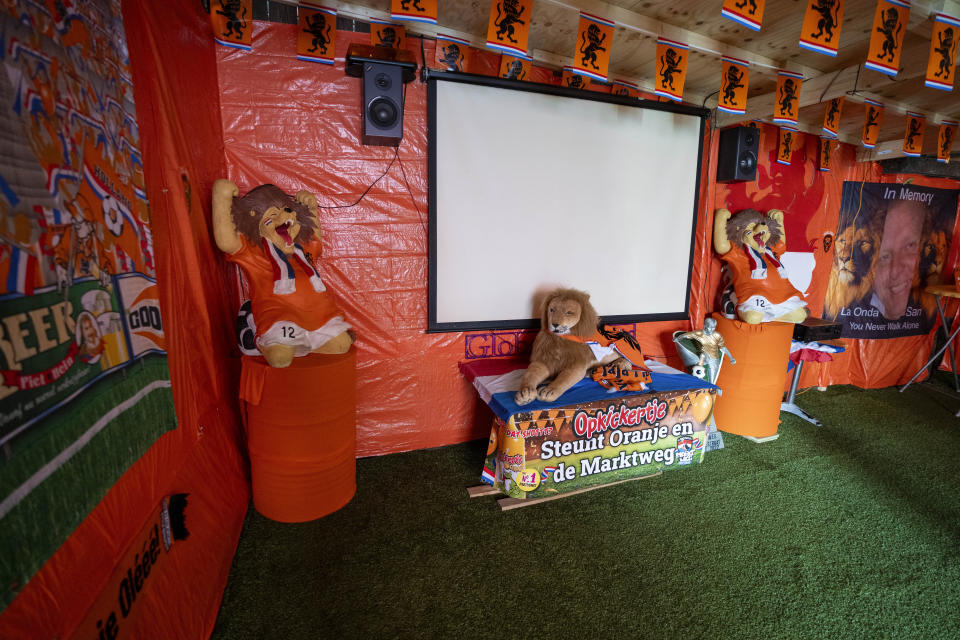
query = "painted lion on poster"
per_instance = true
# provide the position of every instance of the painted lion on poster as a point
(569, 344)
(851, 278)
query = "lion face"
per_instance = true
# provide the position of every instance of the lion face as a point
(756, 236)
(562, 315)
(853, 255)
(280, 227)
(934, 254)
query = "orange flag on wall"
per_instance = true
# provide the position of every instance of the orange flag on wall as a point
(624, 88)
(514, 67)
(941, 66)
(831, 117)
(827, 147)
(671, 69)
(387, 34)
(886, 39)
(316, 33)
(509, 26)
(233, 27)
(945, 138)
(871, 125)
(788, 136)
(748, 13)
(733, 85)
(414, 10)
(592, 57)
(821, 26)
(787, 139)
(452, 53)
(573, 80)
(788, 97)
(913, 135)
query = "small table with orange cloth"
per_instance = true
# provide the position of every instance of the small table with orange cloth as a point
(940, 291)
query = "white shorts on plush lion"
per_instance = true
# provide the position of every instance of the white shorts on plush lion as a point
(569, 344)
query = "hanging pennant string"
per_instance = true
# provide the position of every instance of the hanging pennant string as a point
(659, 34)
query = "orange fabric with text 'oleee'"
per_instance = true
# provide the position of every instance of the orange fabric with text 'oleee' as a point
(752, 388)
(302, 434)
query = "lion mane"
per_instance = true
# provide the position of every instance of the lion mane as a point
(248, 210)
(737, 225)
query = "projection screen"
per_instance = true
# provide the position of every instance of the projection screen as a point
(534, 186)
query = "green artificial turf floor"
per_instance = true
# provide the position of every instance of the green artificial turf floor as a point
(851, 530)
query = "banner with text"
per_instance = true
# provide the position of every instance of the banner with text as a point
(544, 452)
(891, 243)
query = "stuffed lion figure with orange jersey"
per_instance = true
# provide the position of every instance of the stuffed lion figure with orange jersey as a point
(570, 343)
(270, 234)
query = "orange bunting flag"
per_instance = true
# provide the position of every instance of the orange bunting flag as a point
(831, 117)
(788, 97)
(671, 69)
(943, 52)
(945, 137)
(387, 34)
(514, 67)
(788, 136)
(821, 26)
(414, 10)
(733, 85)
(871, 126)
(592, 57)
(889, 26)
(316, 33)
(827, 147)
(748, 13)
(624, 88)
(509, 26)
(573, 80)
(913, 136)
(452, 53)
(232, 24)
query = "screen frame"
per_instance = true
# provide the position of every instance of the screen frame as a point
(432, 77)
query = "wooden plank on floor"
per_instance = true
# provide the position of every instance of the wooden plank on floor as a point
(515, 503)
(482, 490)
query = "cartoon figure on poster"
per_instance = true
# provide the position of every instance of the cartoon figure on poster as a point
(702, 351)
(891, 243)
(269, 234)
(750, 244)
(569, 344)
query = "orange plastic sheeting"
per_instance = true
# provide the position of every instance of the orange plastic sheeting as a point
(297, 124)
(752, 388)
(174, 76)
(811, 202)
(302, 434)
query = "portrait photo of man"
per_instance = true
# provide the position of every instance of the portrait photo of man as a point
(897, 257)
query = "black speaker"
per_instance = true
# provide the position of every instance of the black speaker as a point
(738, 154)
(384, 72)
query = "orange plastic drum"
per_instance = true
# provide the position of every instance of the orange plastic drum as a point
(302, 434)
(752, 388)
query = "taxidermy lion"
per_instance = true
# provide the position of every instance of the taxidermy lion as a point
(750, 243)
(265, 232)
(851, 278)
(569, 344)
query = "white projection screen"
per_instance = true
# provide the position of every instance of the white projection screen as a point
(534, 186)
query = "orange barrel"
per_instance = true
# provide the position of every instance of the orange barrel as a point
(752, 388)
(302, 434)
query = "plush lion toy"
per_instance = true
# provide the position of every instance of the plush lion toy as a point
(750, 243)
(569, 344)
(268, 234)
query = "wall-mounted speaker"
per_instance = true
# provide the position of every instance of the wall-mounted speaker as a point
(384, 71)
(738, 153)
